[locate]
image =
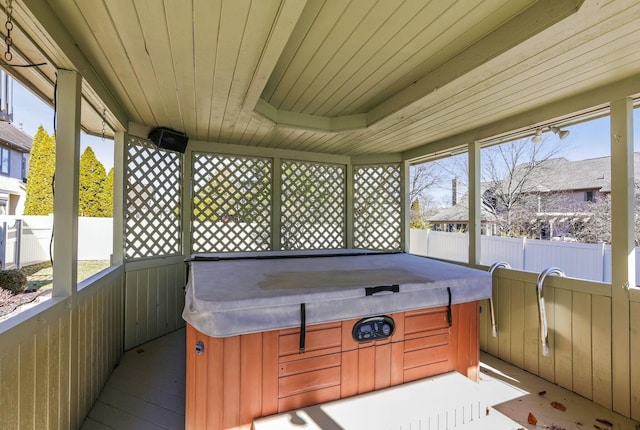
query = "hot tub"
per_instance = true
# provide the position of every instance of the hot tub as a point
(270, 332)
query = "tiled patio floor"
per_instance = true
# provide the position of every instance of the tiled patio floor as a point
(146, 392)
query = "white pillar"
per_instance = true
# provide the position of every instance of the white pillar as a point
(119, 167)
(65, 223)
(349, 205)
(185, 211)
(622, 248)
(475, 207)
(276, 221)
(65, 202)
(405, 206)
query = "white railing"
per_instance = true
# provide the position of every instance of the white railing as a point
(577, 260)
(26, 240)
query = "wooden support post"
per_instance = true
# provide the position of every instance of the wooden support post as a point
(65, 223)
(65, 202)
(185, 209)
(276, 234)
(349, 205)
(475, 199)
(622, 248)
(405, 206)
(119, 164)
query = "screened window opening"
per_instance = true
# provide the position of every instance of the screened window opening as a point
(439, 208)
(546, 201)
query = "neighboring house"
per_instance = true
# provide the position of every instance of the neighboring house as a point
(15, 149)
(456, 217)
(557, 196)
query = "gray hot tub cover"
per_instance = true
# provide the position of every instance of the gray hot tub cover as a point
(238, 294)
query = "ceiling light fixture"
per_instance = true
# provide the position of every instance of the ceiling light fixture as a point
(537, 138)
(561, 133)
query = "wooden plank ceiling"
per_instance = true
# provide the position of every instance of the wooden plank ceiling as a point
(347, 77)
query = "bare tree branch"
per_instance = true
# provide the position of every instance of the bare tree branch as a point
(512, 174)
(425, 181)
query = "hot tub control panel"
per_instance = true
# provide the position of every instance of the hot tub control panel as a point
(373, 328)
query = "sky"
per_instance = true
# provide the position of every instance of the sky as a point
(29, 112)
(592, 139)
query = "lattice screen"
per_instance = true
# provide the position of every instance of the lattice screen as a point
(231, 203)
(377, 207)
(154, 187)
(313, 206)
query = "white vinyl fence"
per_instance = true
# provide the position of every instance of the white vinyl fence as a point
(577, 260)
(26, 240)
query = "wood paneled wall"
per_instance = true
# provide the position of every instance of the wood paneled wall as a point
(579, 327)
(154, 299)
(36, 360)
(100, 336)
(635, 354)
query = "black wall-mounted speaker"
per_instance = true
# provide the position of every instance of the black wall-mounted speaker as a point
(167, 138)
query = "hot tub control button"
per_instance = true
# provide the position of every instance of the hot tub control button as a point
(386, 329)
(373, 328)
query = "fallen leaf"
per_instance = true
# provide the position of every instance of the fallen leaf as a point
(605, 422)
(559, 406)
(531, 419)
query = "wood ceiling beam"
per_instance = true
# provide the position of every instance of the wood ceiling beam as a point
(53, 30)
(310, 122)
(283, 26)
(542, 15)
(556, 111)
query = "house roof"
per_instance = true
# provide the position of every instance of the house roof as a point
(343, 77)
(560, 174)
(458, 213)
(553, 175)
(14, 137)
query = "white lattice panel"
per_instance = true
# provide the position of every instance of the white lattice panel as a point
(231, 203)
(313, 206)
(154, 186)
(377, 206)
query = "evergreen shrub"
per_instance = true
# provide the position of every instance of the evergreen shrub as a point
(13, 280)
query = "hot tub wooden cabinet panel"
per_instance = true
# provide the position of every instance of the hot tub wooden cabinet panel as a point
(239, 378)
(244, 360)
